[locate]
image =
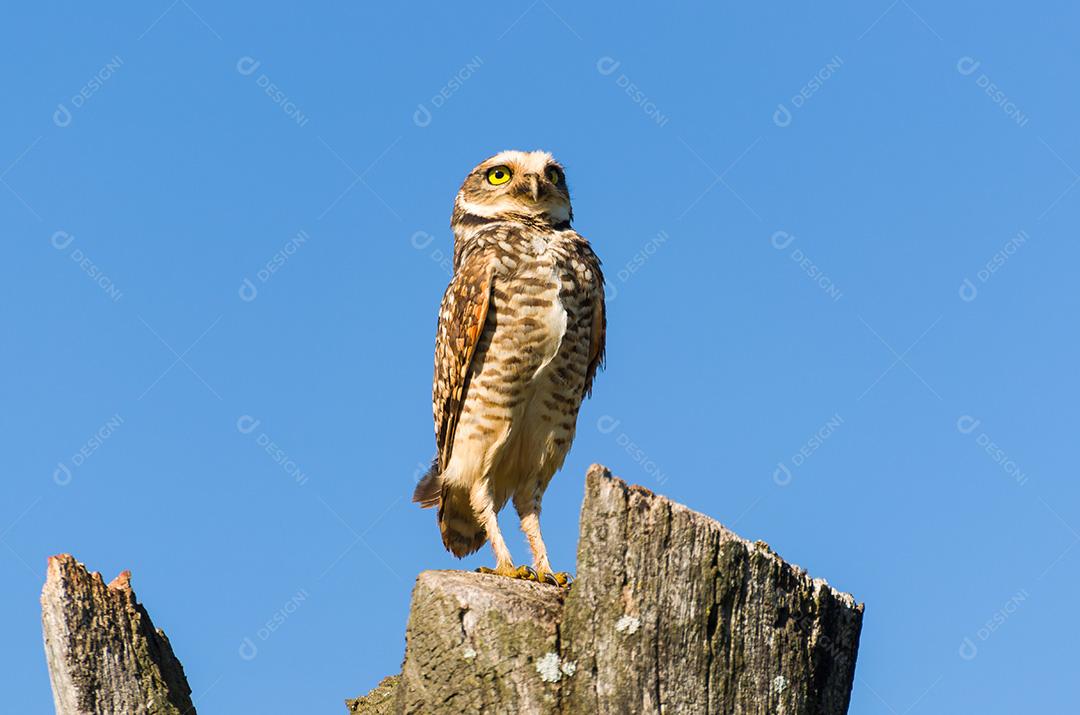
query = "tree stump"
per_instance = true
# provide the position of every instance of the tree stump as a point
(105, 657)
(670, 612)
(483, 637)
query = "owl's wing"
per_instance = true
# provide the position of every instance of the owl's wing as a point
(461, 322)
(598, 336)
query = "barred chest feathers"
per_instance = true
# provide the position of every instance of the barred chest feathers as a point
(529, 373)
(540, 303)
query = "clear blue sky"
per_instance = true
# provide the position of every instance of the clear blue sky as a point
(842, 319)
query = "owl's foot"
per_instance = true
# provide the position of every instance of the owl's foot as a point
(525, 573)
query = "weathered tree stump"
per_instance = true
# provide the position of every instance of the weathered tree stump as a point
(491, 637)
(670, 612)
(105, 657)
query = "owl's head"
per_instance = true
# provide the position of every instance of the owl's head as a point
(513, 185)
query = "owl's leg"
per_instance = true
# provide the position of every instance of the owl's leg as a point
(484, 507)
(528, 509)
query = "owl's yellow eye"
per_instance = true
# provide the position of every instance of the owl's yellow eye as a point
(498, 175)
(553, 175)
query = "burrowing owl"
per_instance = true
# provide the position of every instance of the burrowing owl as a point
(520, 337)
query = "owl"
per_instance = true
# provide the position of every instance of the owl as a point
(519, 339)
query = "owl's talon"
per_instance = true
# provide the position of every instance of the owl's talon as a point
(526, 573)
(561, 579)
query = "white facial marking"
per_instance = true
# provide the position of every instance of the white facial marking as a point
(528, 161)
(489, 210)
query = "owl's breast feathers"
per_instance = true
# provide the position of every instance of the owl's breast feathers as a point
(511, 285)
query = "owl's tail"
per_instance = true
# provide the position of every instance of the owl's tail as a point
(462, 534)
(429, 488)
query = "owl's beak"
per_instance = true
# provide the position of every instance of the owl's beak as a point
(534, 186)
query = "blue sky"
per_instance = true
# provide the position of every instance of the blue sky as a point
(841, 316)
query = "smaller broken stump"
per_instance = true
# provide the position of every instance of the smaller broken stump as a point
(104, 654)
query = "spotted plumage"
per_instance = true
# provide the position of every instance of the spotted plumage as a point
(519, 340)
